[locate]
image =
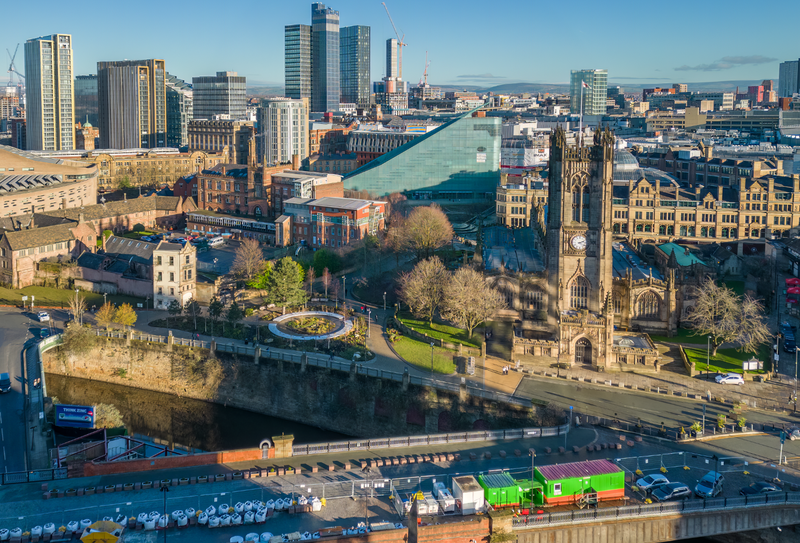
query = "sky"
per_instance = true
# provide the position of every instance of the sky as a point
(468, 42)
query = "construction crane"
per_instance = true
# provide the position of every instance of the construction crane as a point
(400, 43)
(425, 73)
(12, 69)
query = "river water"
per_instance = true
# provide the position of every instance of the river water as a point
(183, 421)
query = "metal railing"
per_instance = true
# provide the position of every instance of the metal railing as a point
(426, 440)
(655, 510)
(34, 476)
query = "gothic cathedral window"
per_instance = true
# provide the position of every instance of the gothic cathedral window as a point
(579, 293)
(648, 306)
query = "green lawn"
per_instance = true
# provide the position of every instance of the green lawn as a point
(56, 297)
(735, 286)
(137, 235)
(419, 354)
(726, 360)
(451, 334)
(684, 335)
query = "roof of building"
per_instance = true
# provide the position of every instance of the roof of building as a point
(497, 480)
(683, 256)
(92, 261)
(343, 203)
(557, 472)
(140, 251)
(230, 170)
(37, 237)
(624, 258)
(115, 209)
(14, 183)
(171, 247)
(467, 483)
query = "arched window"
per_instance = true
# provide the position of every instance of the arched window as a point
(670, 230)
(257, 210)
(733, 232)
(712, 232)
(703, 232)
(662, 230)
(648, 227)
(648, 305)
(585, 204)
(691, 231)
(683, 230)
(617, 302)
(579, 293)
(639, 228)
(576, 205)
(616, 228)
(724, 232)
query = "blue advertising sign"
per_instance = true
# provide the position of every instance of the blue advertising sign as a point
(75, 416)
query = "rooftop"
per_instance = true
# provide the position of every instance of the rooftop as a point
(14, 183)
(683, 256)
(625, 258)
(556, 472)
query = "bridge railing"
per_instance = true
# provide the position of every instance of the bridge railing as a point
(655, 510)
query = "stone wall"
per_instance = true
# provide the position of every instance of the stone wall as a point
(337, 400)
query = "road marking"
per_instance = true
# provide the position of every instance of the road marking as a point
(2, 434)
(4, 456)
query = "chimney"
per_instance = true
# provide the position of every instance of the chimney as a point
(709, 152)
(796, 179)
(124, 195)
(295, 162)
(742, 184)
(80, 218)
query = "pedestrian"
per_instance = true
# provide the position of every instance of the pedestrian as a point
(331, 357)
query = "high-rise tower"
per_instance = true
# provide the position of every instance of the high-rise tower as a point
(325, 59)
(222, 94)
(50, 93)
(354, 61)
(297, 62)
(595, 91)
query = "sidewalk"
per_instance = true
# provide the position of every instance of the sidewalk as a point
(36, 427)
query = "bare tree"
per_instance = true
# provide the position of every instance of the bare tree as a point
(249, 261)
(310, 276)
(469, 300)
(326, 280)
(422, 289)
(335, 289)
(427, 229)
(396, 240)
(193, 308)
(728, 318)
(77, 304)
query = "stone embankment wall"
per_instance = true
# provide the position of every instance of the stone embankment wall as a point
(341, 401)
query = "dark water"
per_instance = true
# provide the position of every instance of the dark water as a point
(183, 421)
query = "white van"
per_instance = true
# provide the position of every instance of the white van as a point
(214, 242)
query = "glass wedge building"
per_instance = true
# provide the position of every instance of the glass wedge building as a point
(594, 98)
(459, 160)
(180, 110)
(354, 49)
(324, 59)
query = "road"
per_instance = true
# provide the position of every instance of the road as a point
(17, 330)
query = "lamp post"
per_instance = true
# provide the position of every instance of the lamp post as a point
(532, 454)
(78, 318)
(104, 298)
(369, 320)
(708, 357)
(344, 288)
(164, 491)
(431, 359)
(384, 301)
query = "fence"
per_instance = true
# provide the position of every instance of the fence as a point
(34, 476)
(655, 510)
(427, 440)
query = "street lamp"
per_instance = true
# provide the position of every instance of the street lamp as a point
(532, 454)
(104, 298)
(369, 320)
(431, 359)
(708, 357)
(384, 301)
(165, 490)
(344, 288)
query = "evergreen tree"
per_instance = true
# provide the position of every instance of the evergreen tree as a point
(286, 284)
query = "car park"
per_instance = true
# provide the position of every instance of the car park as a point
(43, 316)
(729, 379)
(761, 487)
(671, 491)
(650, 482)
(710, 485)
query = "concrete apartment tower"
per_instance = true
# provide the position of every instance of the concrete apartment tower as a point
(132, 103)
(223, 95)
(50, 93)
(283, 130)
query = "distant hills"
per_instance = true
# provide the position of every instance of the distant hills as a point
(561, 88)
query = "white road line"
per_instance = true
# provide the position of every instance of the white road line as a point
(4, 455)
(2, 434)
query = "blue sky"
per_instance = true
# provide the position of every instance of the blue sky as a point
(469, 43)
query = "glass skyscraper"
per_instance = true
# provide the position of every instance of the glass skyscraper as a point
(460, 160)
(297, 62)
(354, 48)
(50, 93)
(222, 94)
(86, 100)
(179, 111)
(594, 98)
(325, 74)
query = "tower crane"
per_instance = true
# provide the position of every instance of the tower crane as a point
(425, 73)
(12, 69)
(400, 43)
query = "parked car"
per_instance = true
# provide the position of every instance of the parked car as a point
(710, 485)
(43, 316)
(44, 332)
(671, 491)
(650, 482)
(729, 379)
(793, 433)
(759, 488)
(146, 238)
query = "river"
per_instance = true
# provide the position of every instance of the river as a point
(183, 421)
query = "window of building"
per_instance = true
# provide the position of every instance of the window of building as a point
(172, 261)
(187, 259)
(579, 293)
(172, 291)
(556, 489)
(171, 276)
(648, 306)
(617, 302)
(159, 278)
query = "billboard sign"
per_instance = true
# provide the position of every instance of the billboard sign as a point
(75, 416)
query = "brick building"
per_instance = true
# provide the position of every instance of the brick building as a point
(332, 222)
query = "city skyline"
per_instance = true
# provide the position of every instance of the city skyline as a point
(632, 53)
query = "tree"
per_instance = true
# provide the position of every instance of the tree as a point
(335, 287)
(107, 416)
(105, 315)
(326, 280)
(125, 315)
(124, 183)
(77, 305)
(215, 309)
(426, 229)
(261, 280)
(138, 227)
(234, 315)
(422, 289)
(469, 299)
(310, 280)
(193, 308)
(396, 238)
(728, 318)
(249, 261)
(286, 283)
(325, 258)
(174, 308)
(78, 339)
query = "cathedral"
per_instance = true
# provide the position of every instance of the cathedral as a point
(595, 297)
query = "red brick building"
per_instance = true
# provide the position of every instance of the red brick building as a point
(333, 222)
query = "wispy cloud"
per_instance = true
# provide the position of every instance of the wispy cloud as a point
(726, 63)
(480, 76)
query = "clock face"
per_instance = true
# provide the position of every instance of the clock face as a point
(578, 242)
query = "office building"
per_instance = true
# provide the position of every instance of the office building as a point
(132, 102)
(325, 59)
(594, 97)
(215, 136)
(788, 78)
(221, 96)
(86, 100)
(180, 107)
(282, 130)
(354, 44)
(50, 93)
(297, 63)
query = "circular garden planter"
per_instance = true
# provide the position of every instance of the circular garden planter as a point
(202, 479)
(90, 490)
(71, 492)
(237, 475)
(184, 481)
(128, 486)
(166, 482)
(109, 488)
(219, 477)
(147, 484)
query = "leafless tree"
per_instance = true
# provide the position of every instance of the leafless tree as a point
(326, 281)
(310, 276)
(728, 318)
(425, 230)
(77, 304)
(469, 300)
(249, 261)
(396, 238)
(423, 288)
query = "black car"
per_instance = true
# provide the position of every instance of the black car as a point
(671, 491)
(759, 488)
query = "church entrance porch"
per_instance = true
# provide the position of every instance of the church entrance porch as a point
(583, 352)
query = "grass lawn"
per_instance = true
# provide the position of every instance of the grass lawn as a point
(137, 235)
(451, 334)
(726, 361)
(419, 354)
(56, 297)
(684, 335)
(735, 286)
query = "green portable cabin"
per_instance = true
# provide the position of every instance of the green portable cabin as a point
(568, 483)
(500, 489)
